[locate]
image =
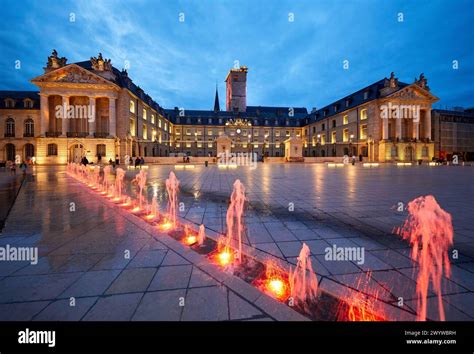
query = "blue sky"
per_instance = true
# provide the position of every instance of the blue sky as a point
(295, 64)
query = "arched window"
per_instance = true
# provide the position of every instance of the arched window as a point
(52, 150)
(29, 151)
(10, 128)
(29, 128)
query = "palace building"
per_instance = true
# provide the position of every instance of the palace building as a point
(91, 108)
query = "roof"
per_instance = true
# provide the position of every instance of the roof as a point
(353, 100)
(18, 97)
(200, 117)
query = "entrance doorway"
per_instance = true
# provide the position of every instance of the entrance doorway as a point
(409, 153)
(76, 153)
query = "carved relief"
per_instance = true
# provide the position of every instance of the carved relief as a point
(422, 82)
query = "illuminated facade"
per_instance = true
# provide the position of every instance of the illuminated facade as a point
(90, 108)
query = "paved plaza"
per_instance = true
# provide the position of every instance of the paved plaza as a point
(84, 253)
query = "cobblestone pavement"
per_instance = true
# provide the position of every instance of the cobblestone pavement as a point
(82, 251)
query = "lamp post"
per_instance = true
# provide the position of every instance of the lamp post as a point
(196, 139)
(350, 144)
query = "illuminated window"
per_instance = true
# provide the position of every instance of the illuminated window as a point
(255, 146)
(144, 113)
(345, 120)
(345, 135)
(132, 106)
(145, 136)
(363, 114)
(209, 132)
(132, 127)
(333, 137)
(188, 131)
(159, 123)
(152, 119)
(209, 145)
(323, 139)
(153, 134)
(277, 133)
(166, 126)
(287, 133)
(188, 145)
(159, 138)
(363, 131)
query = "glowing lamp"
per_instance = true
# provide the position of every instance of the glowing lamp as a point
(224, 258)
(191, 239)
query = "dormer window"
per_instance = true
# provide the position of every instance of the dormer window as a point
(348, 102)
(325, 112)
(366, 95)
(28, 104)
(9, 103)
(336, 107)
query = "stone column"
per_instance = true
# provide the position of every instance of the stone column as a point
(112, 118)
(428, 123)
(385, 128)
(64, 119)
(416, 129)
(92, 119)
(44, 124)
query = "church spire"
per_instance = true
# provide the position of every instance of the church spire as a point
(216, 101)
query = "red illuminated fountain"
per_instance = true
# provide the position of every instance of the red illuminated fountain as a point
(119, 176)
(429, 230)
(303, 281)
(274, 282)
(172, 187)
(361, 304)
(105, 180)
(140, 179)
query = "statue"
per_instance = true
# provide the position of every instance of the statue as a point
(55, 62)
(100, 64)
(422, 82)
(393, 80)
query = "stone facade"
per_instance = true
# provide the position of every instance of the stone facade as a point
(120, 119)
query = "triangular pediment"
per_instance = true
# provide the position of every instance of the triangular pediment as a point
(413, 92)
(71, 74)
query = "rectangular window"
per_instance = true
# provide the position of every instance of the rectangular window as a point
(188, 131)
(287, 133)
(209, 132)
(323, 139)
(363, 131)
(152, 119)
(333, 137)
(132, 127)
(144, 113)
(345, 120)
(159, 123)
(363, 114)
(52, 150)
(132, 106)
(345, 135)
(166, 126)
(334, 123)
(101, 149)
(323, 127)
(145, 136)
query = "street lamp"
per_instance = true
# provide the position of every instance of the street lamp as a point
(196, 139)
(350, 144)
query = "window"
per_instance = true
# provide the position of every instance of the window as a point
(132, 106)
(333, 137)
(153, 134)
(209, 132)
(28, 103)
(144, 113)
(345, 135)
(363, 131)
(166, 126)
(323, 139)
(132, 127)
(424, 151)
(366, 95)
(9, 103)
(101, 149)
(323, 127)
(29, 127)
(363, 114)
(209, 121)
(394, 151)
(145, 132)
(159, 123)
(188, 131)
(345, 120)
(334, 123)
(152, 119)
(52, 150)
(10, 127)
(277, 133)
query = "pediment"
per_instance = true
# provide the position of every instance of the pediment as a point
(71, 74)
(413, 93)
